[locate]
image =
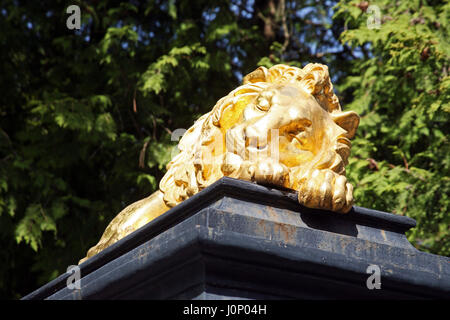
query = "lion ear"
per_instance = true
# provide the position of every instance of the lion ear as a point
(348, 120)
(259, 75)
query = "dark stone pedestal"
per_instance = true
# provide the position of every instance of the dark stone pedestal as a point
(237, 239)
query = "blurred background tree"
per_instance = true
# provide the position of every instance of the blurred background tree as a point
(400, 86)
(86, 115)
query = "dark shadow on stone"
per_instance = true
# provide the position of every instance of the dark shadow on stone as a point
(327, 221)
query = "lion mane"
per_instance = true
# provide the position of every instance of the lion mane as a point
(185, 174)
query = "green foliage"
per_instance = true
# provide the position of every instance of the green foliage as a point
(401, 88)
(86, 115)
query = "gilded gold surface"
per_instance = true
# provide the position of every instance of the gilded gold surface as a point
(284, 126)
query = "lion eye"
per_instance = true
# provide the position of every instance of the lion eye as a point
(263, 104)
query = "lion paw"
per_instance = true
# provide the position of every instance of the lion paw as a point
(325, 189)
(270, 171)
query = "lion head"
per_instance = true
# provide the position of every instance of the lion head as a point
(284, 126)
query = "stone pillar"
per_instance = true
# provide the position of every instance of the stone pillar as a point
(239, 240)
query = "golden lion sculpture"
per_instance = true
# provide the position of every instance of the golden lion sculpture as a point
(284, 126)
